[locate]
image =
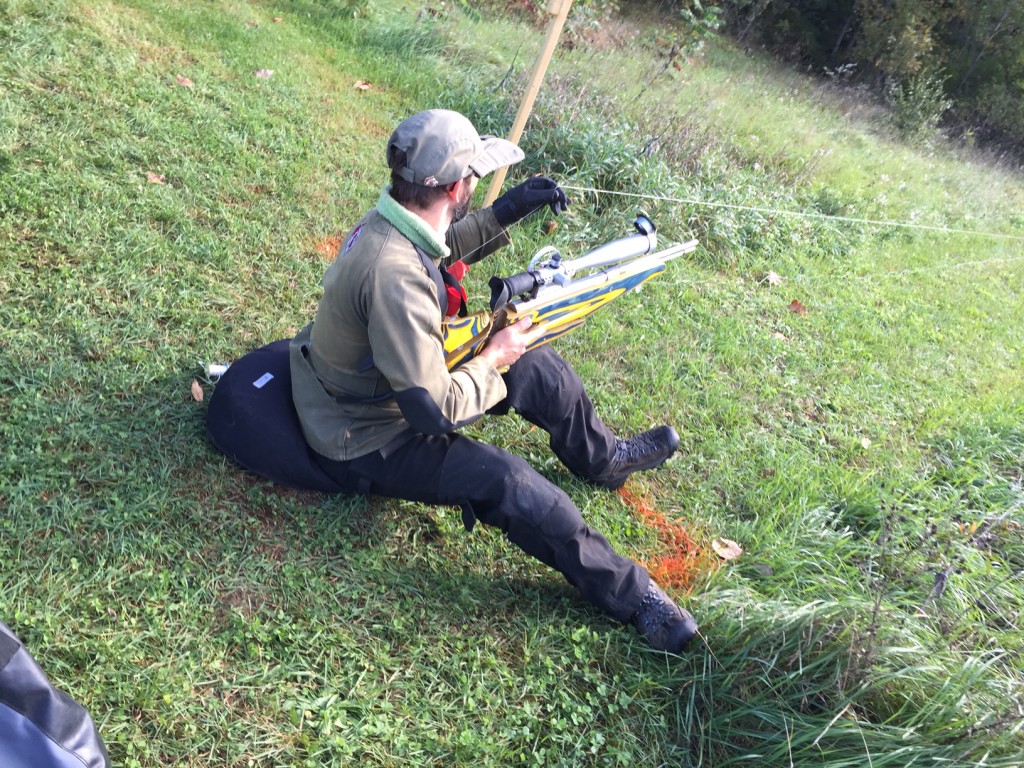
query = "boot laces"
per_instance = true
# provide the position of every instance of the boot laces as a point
(636, 447)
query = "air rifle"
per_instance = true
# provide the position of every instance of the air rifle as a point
(560, 294)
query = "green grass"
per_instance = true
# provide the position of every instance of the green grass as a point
(207, 618)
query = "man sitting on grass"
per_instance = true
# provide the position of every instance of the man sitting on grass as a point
(381, 410)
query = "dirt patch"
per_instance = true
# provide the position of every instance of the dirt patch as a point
(608, 35)
(328, 247)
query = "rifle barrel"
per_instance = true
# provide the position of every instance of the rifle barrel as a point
(626, 249)
(676, 250)
(649, 263)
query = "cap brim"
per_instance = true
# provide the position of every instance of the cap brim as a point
(497, 153)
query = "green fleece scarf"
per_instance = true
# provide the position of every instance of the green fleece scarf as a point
(412, 226)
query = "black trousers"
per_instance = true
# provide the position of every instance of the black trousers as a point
(502, 490)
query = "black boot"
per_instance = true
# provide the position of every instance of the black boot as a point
(647, 450)
(666, 626)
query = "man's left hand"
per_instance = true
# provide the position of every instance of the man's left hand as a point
(523, 199)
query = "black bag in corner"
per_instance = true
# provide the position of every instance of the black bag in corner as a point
(40, 726)
(252, 419)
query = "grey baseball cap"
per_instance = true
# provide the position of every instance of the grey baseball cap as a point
(442, 146)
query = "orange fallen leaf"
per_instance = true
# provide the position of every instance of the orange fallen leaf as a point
(362, 85)
(796, 306)
(550, 226)
(155, 178)
(184, 82)
(197, 391)
(727, 549)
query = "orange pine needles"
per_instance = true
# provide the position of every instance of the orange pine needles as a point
(682, 561)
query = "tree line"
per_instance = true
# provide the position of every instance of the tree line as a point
(958, 63)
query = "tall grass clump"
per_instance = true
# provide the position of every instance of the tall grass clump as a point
(918, 105)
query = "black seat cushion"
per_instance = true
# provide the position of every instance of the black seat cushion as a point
(252, 419)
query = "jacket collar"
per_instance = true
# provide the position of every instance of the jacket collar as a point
(412, 226)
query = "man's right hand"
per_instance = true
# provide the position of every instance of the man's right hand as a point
(511, 342)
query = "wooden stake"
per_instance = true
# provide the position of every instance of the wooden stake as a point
(560, 12)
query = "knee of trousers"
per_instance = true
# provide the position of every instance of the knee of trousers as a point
(541, 380)
(504, 491)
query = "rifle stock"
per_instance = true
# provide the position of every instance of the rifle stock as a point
(558, 299)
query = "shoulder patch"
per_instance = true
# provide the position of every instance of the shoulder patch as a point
(352, 239)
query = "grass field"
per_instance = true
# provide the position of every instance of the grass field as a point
(842, 358)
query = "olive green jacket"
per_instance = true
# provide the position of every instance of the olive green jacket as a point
(370, 370)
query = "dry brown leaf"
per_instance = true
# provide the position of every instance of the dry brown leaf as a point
(727, 549)
(362, 85)
(155, 178)
(184, 82)
(550, 226)
(773, 278)
(796, 306)
(197, 391)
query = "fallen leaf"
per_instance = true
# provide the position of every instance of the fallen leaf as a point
(550, 226)
(796, 306)
(197, 391)
(155, 178)
(265, 74)
(184, 82)
(277, 19)
(727, 549)
(773, 278)
(362, 85)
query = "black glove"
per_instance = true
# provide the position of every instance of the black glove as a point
(522, 200)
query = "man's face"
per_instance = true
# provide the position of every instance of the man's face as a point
(462, 207)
